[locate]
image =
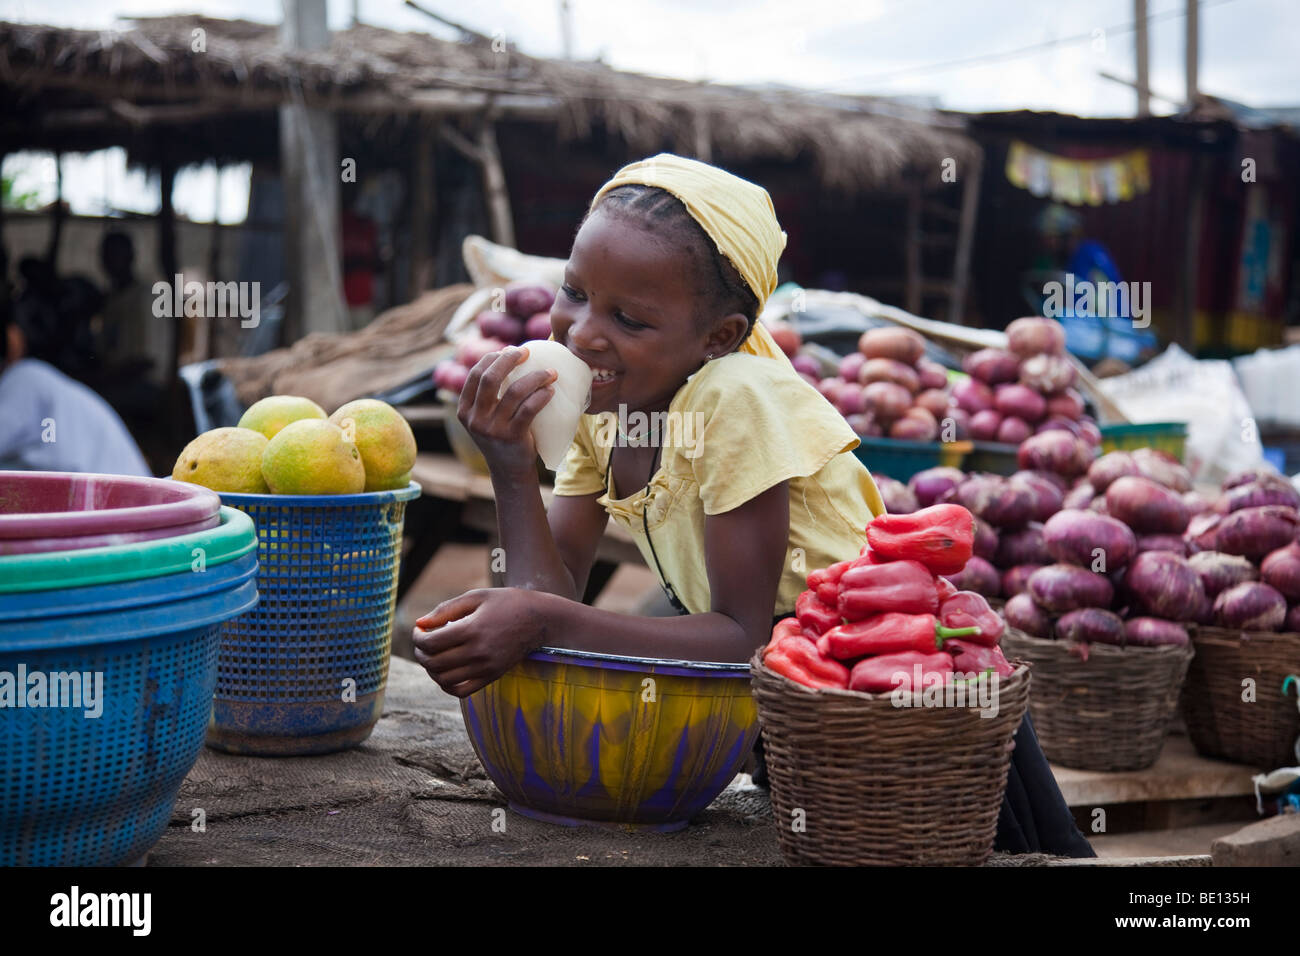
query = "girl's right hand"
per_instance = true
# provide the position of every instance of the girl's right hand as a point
(500, 426)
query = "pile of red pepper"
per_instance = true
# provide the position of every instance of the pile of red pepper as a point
(865, 624)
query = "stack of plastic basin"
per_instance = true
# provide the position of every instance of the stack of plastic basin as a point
(42, 511)
(108, 660)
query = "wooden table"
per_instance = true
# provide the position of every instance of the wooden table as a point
(457, 497)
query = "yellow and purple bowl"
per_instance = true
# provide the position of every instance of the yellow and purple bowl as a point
(573, 737)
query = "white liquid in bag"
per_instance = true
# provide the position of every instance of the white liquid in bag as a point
(554, 427)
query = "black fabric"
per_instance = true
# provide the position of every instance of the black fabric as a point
(1034, 817)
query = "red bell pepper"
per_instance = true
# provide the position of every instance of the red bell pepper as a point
(941, 537)
(824, 646)
(828, 592)
(968, 656)
(966, 609)
(829, 575)
(887, 671)
(904, 586)
(890, 634)
(815, 615)
(946, 589)
(797, 659)
(786, 627)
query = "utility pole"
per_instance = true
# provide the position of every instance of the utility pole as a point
(566, 29)
(1193, 50)
(309, 176)
(1140, 44)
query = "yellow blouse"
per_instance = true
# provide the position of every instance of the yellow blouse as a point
(738, 426)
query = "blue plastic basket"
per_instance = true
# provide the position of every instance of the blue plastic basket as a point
(305, 672)
(95, 785)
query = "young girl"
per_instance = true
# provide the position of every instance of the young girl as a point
(749, 484)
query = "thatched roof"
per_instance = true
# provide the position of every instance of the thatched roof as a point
(136, 75)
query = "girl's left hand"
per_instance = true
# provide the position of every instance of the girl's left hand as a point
(471, 640)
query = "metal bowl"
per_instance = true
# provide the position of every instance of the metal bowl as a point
(573, 737)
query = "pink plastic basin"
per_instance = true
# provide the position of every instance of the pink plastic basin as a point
(54, 510)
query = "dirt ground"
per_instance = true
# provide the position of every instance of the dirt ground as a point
(415, 794)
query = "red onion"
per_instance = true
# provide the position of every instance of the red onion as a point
(1022, 613)
(1112, 465)
(931, 485)
(1281, 570)
(992, 366)
(1255, 532)
(1162, 468)
(1034, 335)
(1257, 494)
(1013, 431)
(1089, 540)
(1154, 632)
(1146, 507)
(1067, 404)
(1164, 585)
(1252, 607)
(931, 374)
(984, 425)
(1015, 580)
(1091, 625)
(1021, 401)
(1219, 571)
(898, 500)
(972, 395)
(1048, 373)
(1173, 543)
(1047, 493)
(1065, 587)
(978, 576)
(1055, 451)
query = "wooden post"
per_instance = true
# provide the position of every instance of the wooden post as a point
(494, 185)
(912, 248)
(970, 198)
(423, 204)
(1140, 45)
(310, 177)
(167, 257)
(1184, 332)
(703, 140)
(56, 232)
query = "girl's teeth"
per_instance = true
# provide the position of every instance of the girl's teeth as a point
(603, 376)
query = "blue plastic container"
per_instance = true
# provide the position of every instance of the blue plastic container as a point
(305, 672)
(90, 779)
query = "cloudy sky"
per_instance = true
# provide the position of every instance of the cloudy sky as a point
(962, 54)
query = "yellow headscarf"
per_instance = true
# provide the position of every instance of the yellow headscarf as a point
(735, 213)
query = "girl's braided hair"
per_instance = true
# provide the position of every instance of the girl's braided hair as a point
(664, 213)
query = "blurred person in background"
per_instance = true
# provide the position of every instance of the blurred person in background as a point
(136, 342)
(52, 422)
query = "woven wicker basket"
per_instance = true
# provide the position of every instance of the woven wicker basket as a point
(858, 781)
(1111, 712)
(1262, 732)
